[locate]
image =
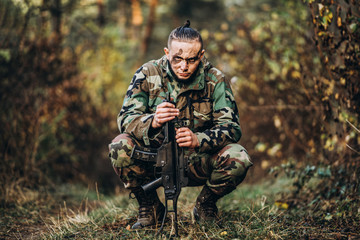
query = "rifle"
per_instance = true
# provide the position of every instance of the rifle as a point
(171, 170)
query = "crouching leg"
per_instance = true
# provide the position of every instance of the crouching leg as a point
(134, 173)
(226, 169)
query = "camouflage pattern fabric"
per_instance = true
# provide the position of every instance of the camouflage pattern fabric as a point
(221, 172)
(133, 173)
(206, 105)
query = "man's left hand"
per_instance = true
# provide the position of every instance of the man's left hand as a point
(186, 138)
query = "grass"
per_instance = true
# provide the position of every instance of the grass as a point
(250, 212)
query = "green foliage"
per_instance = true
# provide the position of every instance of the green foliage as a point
(338, 92)
(107, 69)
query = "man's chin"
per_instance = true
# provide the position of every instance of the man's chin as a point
(183, 78)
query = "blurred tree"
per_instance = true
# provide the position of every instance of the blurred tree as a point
(149, 28)
(51, 123)
(101, 13)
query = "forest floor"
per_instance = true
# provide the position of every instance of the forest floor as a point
(252, 211)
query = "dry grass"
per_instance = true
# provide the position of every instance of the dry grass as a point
(250, 212)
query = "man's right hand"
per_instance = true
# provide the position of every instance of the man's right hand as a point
(165, 112)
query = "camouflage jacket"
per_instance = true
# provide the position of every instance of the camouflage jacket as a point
(206, 105)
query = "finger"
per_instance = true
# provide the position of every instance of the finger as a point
(183, 135)
(167, 114)
(163, 116)
(183, 139)
(185, 144)
(172, 111)
(166, 108)
(182, 129)
(180, 134)
(166, 105)
(165, 119)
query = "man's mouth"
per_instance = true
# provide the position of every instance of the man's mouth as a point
(184, 74)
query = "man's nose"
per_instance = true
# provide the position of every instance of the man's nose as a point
(184, 65)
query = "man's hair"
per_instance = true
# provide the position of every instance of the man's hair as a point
(185, 33)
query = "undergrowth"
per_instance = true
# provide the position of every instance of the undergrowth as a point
(250, 212)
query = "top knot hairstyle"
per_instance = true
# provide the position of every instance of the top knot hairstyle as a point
(185, 33)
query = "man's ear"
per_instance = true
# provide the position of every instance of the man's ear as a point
(167, 53)
(202, 53)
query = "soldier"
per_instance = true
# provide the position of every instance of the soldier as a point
(204, 104)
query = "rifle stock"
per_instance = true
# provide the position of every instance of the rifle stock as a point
(152, 185)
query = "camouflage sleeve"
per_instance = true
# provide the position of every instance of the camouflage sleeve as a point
(226, 127)
(134, 117)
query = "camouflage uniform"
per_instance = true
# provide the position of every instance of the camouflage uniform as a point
(207, 107)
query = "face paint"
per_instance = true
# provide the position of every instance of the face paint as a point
(180, 52)
(185, 61)
(173, 61)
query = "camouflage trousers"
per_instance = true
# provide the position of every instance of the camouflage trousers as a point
(221, 171)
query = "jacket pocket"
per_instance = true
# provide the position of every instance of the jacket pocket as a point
(203, 117)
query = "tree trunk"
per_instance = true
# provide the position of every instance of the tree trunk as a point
(56, 15)
(101, 13)
(149, 28)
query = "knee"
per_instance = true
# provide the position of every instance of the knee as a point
(235, 160)
(120, 150)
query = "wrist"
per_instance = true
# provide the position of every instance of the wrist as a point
(195, 141)
(155, 124)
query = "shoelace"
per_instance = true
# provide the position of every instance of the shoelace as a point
(145, 211)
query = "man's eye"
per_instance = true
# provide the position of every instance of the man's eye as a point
(192, 60)
(177, 59)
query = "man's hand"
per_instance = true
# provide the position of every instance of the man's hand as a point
(186, 138)
(165, 112)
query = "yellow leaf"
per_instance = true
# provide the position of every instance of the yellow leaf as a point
(223, 233)
(241, 33)
(261, 147)
(311, 143)
(277, 121)
(219, 36)
(342, 81)
(295, 74)
(321, 7)
(205, 34)
(281, 205)
(224, 26)
(339, 21)
(296, 132)
(265, 164)
(330, 16)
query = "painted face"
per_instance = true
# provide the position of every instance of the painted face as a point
(184, 57)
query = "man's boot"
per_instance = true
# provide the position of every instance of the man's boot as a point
(205, 208)
(150, 208)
